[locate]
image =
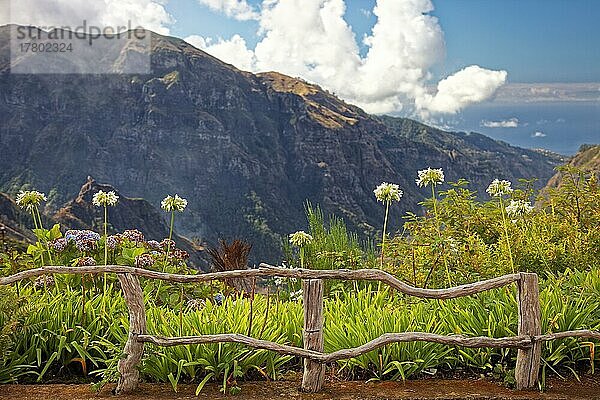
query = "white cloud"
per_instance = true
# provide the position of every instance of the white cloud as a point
(470, 85)
(311, 39)
(507, 123)
(538, 134)
(233, 51)
(238, 9)
(150, 14)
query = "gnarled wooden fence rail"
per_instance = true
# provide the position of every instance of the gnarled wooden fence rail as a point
(528, 341)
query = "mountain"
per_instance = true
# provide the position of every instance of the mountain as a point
(246, 150)
(586, 159)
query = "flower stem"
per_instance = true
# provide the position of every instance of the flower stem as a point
(505, 224)
(105, 255)
(44, 241)
(387, 209)
(439, 230)
(170, 236)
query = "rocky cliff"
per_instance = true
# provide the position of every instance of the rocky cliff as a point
(246, 150)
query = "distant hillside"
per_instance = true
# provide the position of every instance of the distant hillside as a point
(246, 150)
(587, 159)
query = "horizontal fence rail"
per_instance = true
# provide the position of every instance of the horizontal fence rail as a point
(528, 341)
(266, 270)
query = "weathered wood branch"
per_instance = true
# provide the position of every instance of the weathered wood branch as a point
(383, 340)
(582, 334)
(230, 338)
(266, 270)
(453, 340)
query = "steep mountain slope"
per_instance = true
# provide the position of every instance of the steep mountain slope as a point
(245, 150)
(587, 159)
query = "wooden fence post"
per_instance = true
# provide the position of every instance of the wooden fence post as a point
(312, 297)
(530, 324)
(128, 366)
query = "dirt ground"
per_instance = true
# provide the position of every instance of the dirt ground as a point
(427, 389)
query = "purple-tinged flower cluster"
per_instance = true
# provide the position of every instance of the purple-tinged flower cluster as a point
(219, 299)
(84, 240)
(112, 242)
(144, 261)
(133, 235)
(167, 244)
(180, 255)
(154, 245)
(59, 245)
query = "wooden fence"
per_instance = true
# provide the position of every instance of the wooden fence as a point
(528, 341)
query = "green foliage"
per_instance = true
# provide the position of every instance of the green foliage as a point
(561, 232)
(73, 328)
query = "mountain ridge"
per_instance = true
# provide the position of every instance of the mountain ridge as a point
(246, 150)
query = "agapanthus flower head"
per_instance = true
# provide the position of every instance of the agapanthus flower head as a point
(499, 188)
(430, 176)
(29, 199)
(518, 208)
(133, 235)
(300, 238)
(388, 192)
(105, 199)
(173, 203)
(144, 261)
(86, 262)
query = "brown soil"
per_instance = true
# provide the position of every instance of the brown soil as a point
(587, 388)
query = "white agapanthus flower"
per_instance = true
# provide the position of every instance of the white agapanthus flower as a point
(388, 192)
(499, 188)
(29, 199)
(430, 176)
(104, 199)
(173, 203)
(300, 238)
(518, 208)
